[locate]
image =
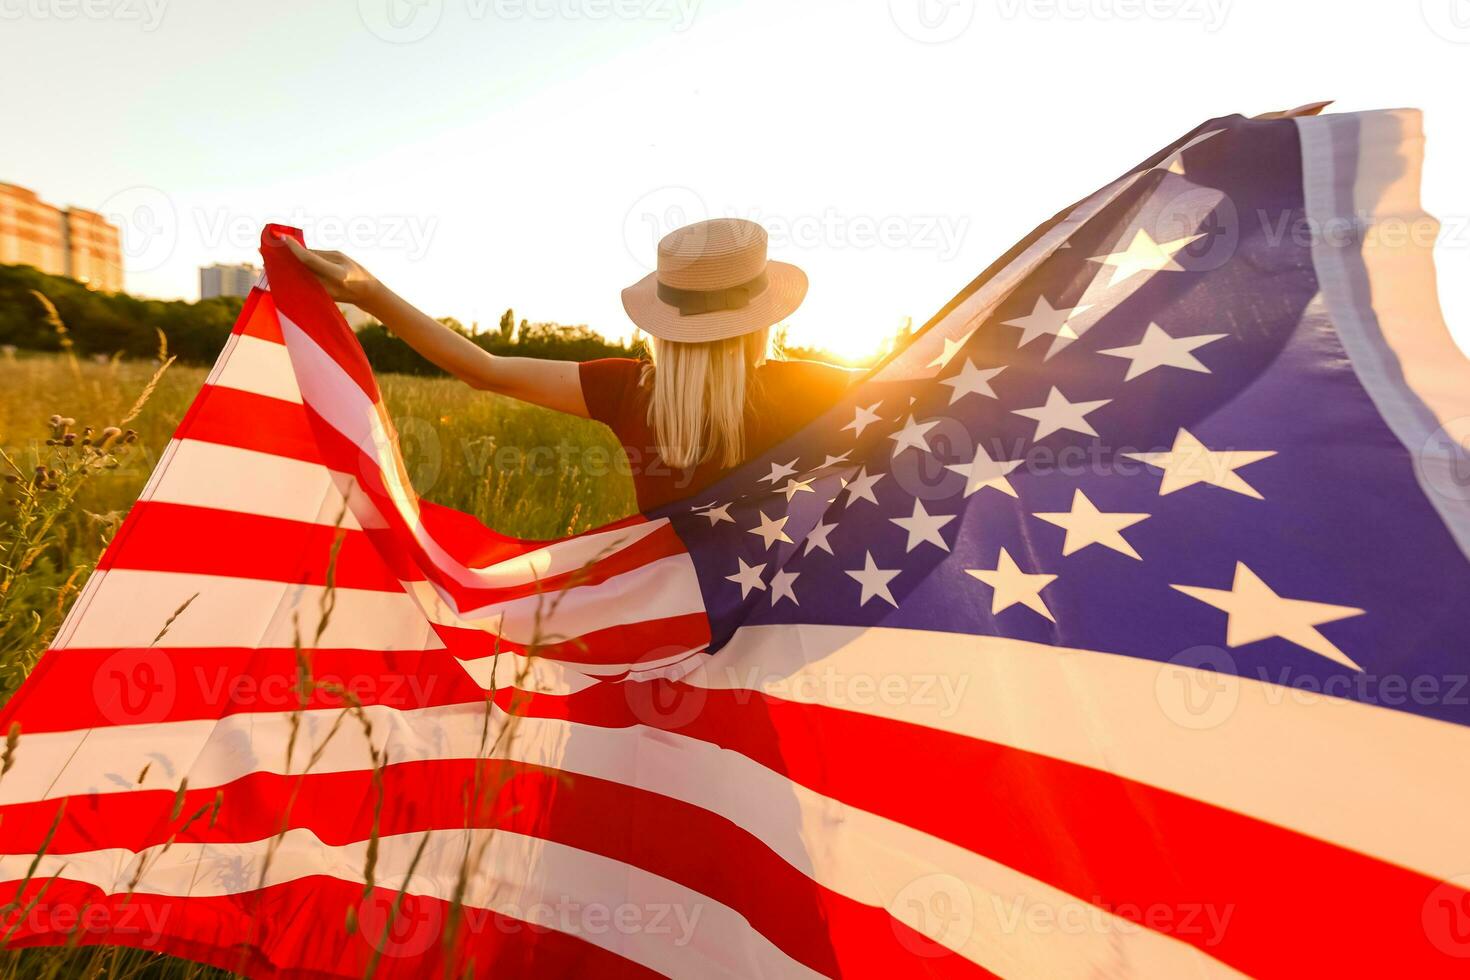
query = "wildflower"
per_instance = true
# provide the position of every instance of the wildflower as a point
(108, 436)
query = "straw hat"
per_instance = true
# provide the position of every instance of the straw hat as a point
(713, 282)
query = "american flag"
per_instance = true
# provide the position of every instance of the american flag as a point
(1110, 628)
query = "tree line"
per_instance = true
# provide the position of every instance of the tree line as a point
(108, 324)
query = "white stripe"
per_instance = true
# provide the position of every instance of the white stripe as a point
(243, 481)
(664, 926)
(663, 588)
(1361, 171)
(129, 608)
(1387, 783)
(868, 858)
(261, 367)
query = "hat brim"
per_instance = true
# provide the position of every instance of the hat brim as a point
(785, 289)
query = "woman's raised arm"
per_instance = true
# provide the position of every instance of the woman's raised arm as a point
(552, 384)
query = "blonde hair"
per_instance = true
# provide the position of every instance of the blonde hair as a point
(696, 407)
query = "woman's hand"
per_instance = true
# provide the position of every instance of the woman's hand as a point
(345, 280)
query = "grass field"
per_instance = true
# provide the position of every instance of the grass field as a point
(523, 470)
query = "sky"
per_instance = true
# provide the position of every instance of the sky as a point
(484, 154)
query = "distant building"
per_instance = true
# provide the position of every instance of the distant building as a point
(60, 242)
(226, 280)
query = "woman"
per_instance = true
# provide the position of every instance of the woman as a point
(709, 396)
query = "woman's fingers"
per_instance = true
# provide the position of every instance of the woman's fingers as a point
(314, 261)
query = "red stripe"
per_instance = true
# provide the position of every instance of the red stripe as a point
(704, 852)
(88, 688)
(182, 538)
(258, 317)
(1297, 906)
(245, 420)
(297, 931)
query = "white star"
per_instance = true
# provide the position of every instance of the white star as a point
(1058, 414)
(749, 577)
(1086, 525)
(923, 526)
(911, 436)
(1189, 462)
(779, 471)
(1013, 586)
(1256, 612)
(781, 584)
(1144, 255)
(1174, 162)
(982, 472)
(862, 418)
(874, 581)
(861, 487)
(717, 514)
(1045, 321)
(794, 486)
(771, 531)
(1158, 349)
(817, 538)
(971, 381)
(834, 460)
(951, 348)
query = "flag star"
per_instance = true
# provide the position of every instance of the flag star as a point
(982, 472)
(923, 526)
(1086, 525)
(1158, 349)
(717, 514)
(817, 538)
(911, 436)
(971, 381)
(771, 531)
(1189, 462)
(1174, 162)
(1058, 414)
(951, 348)
(794, 486)
(779, 471)
(781, 584)
(1255, 612)
(862, 418)
(748, 578)
(1012, 586)
(1143, 254)
(861, 487)
(874, 581)
(1045, 321)
(834, 460)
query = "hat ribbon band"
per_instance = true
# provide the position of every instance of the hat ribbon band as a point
(692, 301)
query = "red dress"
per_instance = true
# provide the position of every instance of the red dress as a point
(783, 397)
